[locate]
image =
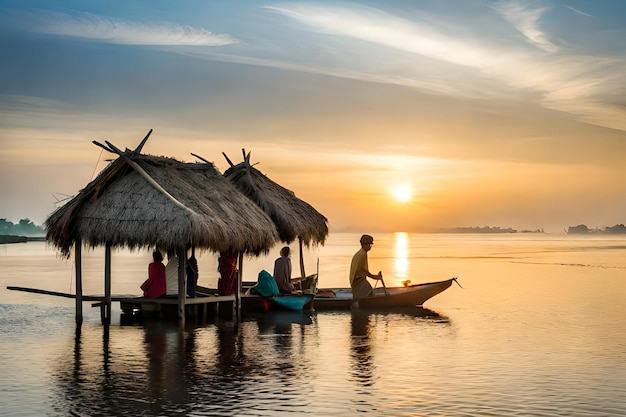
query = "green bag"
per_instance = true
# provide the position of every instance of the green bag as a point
(266, 285)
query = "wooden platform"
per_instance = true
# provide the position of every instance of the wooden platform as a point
(167, 308)
(207, 304)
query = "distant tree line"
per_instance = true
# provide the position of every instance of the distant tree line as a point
(484, 229)
(582, 229)
(24, 227)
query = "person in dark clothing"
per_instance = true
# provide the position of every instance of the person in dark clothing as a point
(282, 272)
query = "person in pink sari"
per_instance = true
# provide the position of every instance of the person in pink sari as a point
(155, 286)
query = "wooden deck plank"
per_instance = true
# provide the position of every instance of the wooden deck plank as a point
(189, 300)
(128, 297)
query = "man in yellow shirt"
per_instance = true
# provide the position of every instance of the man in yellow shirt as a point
(359, 270)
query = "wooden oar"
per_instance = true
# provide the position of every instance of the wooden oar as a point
(382, 281)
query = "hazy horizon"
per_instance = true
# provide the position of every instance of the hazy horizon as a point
(442, 229)
(384, 116)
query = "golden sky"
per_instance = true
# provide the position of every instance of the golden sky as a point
(500, 113)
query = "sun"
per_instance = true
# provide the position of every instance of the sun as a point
(403, 193)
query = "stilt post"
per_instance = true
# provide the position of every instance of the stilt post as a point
(302, 273)
(182, 285)
(238, 290)
(106, 319)
(79, 281)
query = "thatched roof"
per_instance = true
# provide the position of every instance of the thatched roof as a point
(195, 205)
(293, 217)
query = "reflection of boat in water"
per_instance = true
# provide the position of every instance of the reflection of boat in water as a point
(280, 321)
(406, 312)
(383, 298)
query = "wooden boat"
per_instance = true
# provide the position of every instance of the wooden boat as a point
(383, 298)
(293, 302)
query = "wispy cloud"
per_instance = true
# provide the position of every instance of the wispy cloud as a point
(118, 31)
(27, 111)
(422, 39)
(382, 28)
(565, 81)
(575, 10)
(429, 52)
(525, 19)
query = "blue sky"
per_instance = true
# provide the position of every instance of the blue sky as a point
(507, 113)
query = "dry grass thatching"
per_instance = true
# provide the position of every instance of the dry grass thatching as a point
(122, 208)
(292, 216)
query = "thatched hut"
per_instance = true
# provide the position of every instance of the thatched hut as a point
(187, 203)
(293, 217)
(143, 201)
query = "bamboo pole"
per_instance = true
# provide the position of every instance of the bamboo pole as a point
(202, 159)
(152, 182)
(228, 160)
(79, 281)
(238, 290)
(44, 292)
(195, 273)
(106, 318)
(302, 273)
(113, 149)
(182, 287)
(143, 142)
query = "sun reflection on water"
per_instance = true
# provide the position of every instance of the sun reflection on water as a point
(401, 256)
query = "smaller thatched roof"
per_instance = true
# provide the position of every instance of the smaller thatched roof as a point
(293, 217)
(168, 205)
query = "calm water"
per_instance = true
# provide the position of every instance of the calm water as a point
(537, 330)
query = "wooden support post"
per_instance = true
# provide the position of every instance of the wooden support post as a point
(195, 284)
(238, 290)
(302, 273)
(182, 285)
(106, 319)
(79, 281)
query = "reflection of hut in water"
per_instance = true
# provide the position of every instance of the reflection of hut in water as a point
(293, 217)
(143, 201)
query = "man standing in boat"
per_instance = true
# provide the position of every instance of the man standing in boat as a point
(359, 270)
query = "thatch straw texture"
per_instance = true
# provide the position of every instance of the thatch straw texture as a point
(121, 208)
(292, 216)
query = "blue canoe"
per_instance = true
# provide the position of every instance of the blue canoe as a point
(292, 302)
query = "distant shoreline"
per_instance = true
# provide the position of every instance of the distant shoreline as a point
(20, 239)
(486, 229)
(581, 229)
